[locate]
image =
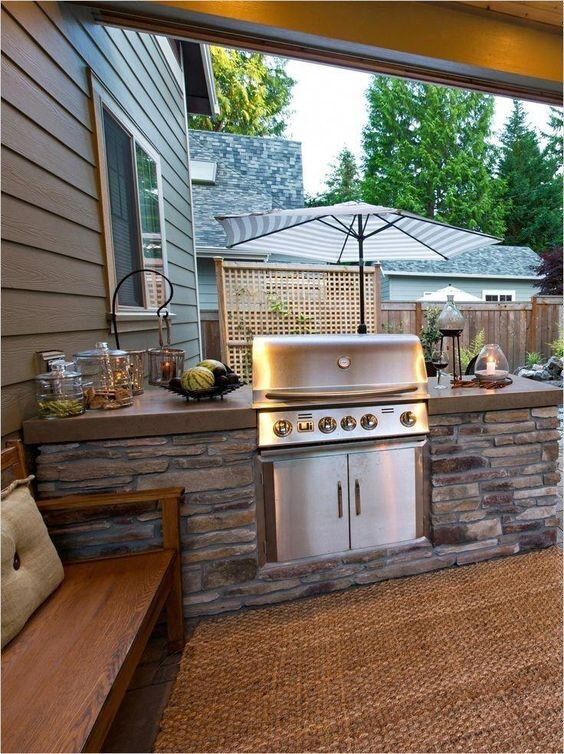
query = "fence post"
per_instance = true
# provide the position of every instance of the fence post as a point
(418, 317)
(377, 298)
(222, 309)
(533, 321)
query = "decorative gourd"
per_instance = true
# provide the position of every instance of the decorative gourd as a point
(197, 378)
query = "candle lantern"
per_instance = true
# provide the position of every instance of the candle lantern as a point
(451, 324)
(165, 362)
(106, 377)
(59, 392)
(137, 370)
(491, 364)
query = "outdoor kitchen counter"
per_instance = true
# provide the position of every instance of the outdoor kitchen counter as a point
(158, 412)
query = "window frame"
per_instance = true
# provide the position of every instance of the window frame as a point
(498, 292)
(103, 99)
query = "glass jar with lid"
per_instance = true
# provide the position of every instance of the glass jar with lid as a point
(106, 377)
(59, 392)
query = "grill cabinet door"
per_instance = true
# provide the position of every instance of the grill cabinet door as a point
(382, 490)
(308, 506)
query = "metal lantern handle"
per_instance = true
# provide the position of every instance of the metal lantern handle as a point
(167, 325)
(159, 310)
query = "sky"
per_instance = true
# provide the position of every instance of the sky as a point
(325, 123)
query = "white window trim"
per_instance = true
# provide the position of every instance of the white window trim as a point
(169, 56)
(498, 292)
(102, 98)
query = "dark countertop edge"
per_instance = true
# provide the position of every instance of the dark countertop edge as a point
(464, 404)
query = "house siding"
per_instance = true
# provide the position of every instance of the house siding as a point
(407, 288)
(55, 290)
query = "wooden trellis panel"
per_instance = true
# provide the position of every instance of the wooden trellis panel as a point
(278, 299)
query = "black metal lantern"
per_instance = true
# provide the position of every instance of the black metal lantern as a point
(165, 362)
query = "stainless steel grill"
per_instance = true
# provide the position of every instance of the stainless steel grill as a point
(342, 426)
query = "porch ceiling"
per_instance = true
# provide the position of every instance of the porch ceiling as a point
(459, 43)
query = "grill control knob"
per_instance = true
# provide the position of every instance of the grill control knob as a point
(327, 425)
(369, 421)
(348, 423)
(408, 418)
(282, 427)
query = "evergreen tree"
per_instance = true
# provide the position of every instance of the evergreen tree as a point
(554, 139)
(253, 92)
(427, 149)
(342, 183)
(532, 192)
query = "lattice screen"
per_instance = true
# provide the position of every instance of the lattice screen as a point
(261, 299)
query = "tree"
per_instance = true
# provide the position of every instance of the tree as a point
(532, 192)
(427, 149)
(554, 138)
(550, 270)
(253, 92)
(342, 183)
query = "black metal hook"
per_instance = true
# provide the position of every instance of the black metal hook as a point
(118, 286)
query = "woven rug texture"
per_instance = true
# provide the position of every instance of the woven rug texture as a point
(461, 660)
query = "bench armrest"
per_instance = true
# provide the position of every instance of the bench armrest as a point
(100, 500)
(168, 497)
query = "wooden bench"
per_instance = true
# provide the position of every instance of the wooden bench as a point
(65, 674)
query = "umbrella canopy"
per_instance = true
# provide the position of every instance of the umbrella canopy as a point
(449, 290)
(349, 232)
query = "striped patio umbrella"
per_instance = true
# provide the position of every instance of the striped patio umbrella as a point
(349, 232)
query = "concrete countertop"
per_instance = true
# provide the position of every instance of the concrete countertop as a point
(158, 412)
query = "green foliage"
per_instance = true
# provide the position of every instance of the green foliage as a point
(342, 183)
(253, 92)
(533, 358)
(557, 345)
(554, 140)
(427, 149)
(430, 332)
(532, 190)
(391, 328)
(468, 352)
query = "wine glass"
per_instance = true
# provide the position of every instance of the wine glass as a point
(439, 359)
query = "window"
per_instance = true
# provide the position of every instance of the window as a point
(133, 209)
(498, 295)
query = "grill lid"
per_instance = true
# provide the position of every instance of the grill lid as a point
(289, 369)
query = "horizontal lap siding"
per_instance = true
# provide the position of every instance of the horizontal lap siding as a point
(54, 278)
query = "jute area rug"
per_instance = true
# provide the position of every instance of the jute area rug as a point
(461, 660)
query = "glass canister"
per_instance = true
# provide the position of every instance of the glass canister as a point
(106, 377)
(491, 364)
(451, 319)
(59, 392)
(164, 364)
(137, 370)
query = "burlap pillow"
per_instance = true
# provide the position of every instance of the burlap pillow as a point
(31, 568)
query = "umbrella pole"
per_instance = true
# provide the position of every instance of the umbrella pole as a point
(362, 324)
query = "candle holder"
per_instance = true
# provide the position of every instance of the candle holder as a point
(491, 364)
(165, 362)
(137, 370)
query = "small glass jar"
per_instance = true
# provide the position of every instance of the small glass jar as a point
(491, 364)
(106, 377)
(59, 392)
(165, 364)
(137, 370)
(451, 320)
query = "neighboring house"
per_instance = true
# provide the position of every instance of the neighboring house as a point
(95, 183)
(234, 174)
(491, 273)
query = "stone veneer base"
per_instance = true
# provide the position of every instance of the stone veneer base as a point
(493, 493)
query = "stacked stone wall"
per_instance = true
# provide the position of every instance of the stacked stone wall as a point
(493, 493)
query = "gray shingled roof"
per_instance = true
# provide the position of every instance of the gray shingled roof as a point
(489, 260)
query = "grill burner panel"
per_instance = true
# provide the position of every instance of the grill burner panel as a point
(331, 423)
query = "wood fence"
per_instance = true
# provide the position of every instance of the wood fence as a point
(519, 328)
(275, 299)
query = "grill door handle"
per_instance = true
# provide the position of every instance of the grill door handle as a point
(357, 507)
(340, 499)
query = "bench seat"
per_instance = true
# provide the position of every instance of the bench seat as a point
(65, 674)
